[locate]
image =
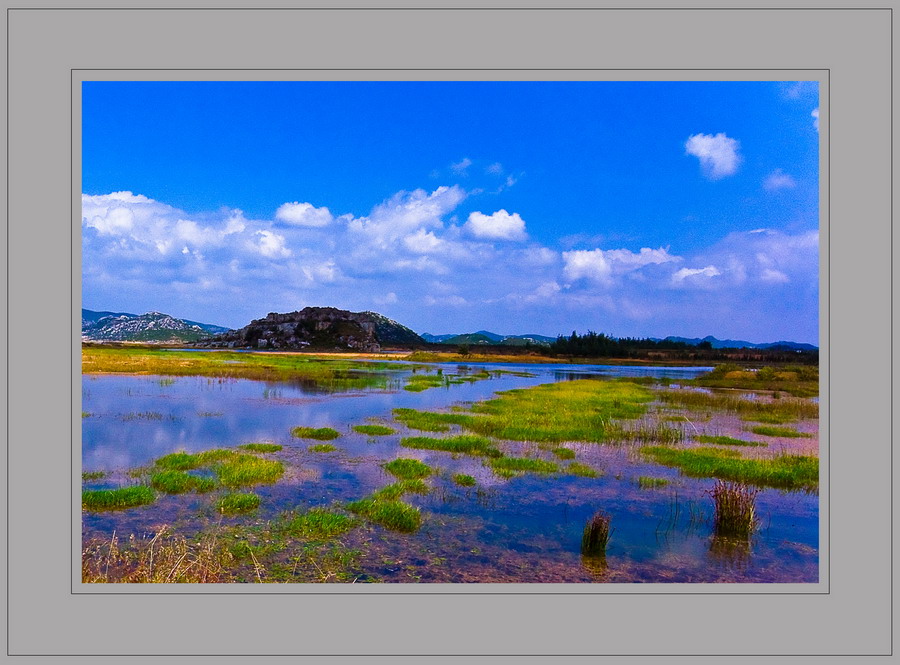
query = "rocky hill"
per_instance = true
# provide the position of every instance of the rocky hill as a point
(318, 328)
(149, 327)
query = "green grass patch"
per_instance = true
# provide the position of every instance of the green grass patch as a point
(506, 465)
(648, 482)
(426, 421)
(774, 430)
(322, 448)
(398, 489)
(261, 447)
(580, 410)
(93, 475)
(578, 469)
(238, 503)
(172, 481)
(463, 479)
(390, 514)
(316, 524)
(467, 444)
(373, 430)
(785, 408)
(727, 441)
(406, 468)
(564, 453)
(796, 380)
(318, 433)
(768, 418)
(245, 470)
(784, 471)
(179, 461)
(419, 382)
(117, 499)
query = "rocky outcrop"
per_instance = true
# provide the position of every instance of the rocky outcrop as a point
(317, 328)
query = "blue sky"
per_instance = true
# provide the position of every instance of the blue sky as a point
(633, 208)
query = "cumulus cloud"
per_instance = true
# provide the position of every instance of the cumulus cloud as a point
(304, 214)
(271, 245)
(500, 225)
(600, 266)
(778, 179)
(718, 154)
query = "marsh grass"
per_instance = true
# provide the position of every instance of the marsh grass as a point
(261, 447)
(727, 441)
(773, 430)
(389, 513)
(93, 475)
(322, 448)
(467, 444)
(407, 468)
(505, 466)
(750, 409)
(172, 481)
(564, 453)
(419, 382)
(316, 524)
(735, 509)
(578, 469)
(245, 470)
(398, 489)
(784, 471)
(464, 480)
(596, 535)
(430, 422)
(373, 430)
(768, 418)
(231, 504)
(328, 373)
(318, 433)
(649, 482)
(117, 499)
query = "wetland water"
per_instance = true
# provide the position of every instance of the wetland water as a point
(525, 528)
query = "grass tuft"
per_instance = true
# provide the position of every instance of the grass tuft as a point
(322, 448)
(316, 524)
(373, 430)
(596, 535)
(173, 481)
(244, 470)
(390, 514)
(320, 433)
(578, 469)
(512, 465)
(407, 468)
(735, 513)
(238, 503)
(398, 489)
(648, 482)
(463, 479)
(564, 453)
(426, 421)
(468, 444)
(261, 447)
(117, 499)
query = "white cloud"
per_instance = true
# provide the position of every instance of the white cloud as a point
(387, 299)
(495, 169)
(271, 245)
(778, 179)
(718, 154)
(304, 214)
(772, 276)
(815, 116)
(600, 266)
(423, 242)
(686, 273)
(461, 167)
(500, 225)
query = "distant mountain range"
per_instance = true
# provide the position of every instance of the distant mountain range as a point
(740, 344)
(487, 337)
(149, 327)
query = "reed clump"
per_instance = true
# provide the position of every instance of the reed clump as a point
(596, 535)
(735, 509)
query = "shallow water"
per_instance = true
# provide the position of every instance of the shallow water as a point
(523, 529)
